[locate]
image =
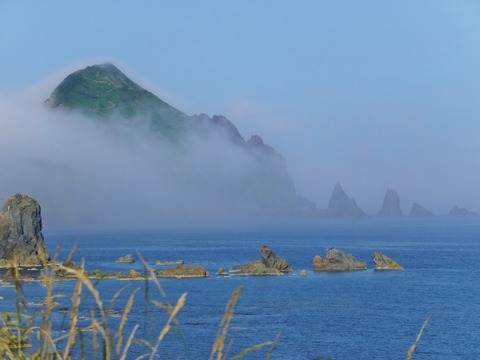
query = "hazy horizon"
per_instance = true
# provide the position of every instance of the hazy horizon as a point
(374, 95)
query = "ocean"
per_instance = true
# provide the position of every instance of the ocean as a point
(346, 315)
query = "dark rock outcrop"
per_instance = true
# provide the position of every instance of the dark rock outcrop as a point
(419, 211)
(271, 261)
(126, 259)
(183, 271)
(383, 262)
(337, 260)
(461, 212)
(21, 238)
(391, 205)
(341, 206)
(269, 264)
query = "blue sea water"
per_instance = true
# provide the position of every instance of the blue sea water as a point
(348, 315)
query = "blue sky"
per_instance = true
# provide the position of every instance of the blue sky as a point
(374, 94)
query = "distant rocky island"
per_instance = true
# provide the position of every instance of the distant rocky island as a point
(391, 205)
(461, 212)
(341, 206)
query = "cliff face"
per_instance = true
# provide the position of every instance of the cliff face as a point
(21, 239)
(391, 205)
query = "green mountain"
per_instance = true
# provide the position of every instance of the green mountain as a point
(103, 91)
(262, 186)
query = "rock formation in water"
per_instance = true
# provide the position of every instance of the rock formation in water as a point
(391, 205)
(269, 264)
(419, 211)
(341, 206)
(383, 262)
(183, 271)
(21, 238)
(461, 212)
(126, 259)
(337, 260)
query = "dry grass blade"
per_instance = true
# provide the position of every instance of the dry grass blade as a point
(224, 325)
(73, 316)
(80, 275)
(152, 275)
(412, 348)
(129, 342)
(126, 311)
(250, 349)
(166, 329)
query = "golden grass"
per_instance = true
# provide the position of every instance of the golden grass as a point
(414, 346)
(22, 339)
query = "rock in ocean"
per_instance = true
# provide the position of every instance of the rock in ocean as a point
(383, 262)
(337, 260)
(419, 211)
(391, 205)
(269, 264)
(341, 206)
(21, 238)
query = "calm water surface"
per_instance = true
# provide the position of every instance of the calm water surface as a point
(355, 315)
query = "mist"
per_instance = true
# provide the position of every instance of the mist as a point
(87, 172)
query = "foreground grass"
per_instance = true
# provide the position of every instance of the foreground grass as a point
(27, 336)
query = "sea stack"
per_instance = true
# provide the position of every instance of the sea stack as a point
(383, 262)
(341, 206)
(391, 205)
(419, 211)
(21, 238)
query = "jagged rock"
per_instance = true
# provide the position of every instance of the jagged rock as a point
(269, 264)
(391, 205)
(337, 260)
(183, 271)
(21, 238)
(126, 259)
(461, 212)
(341, 206)
(383, 262)
(271, 261)
(419, 211)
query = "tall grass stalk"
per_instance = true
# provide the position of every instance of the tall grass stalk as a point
(414, 346)
(22, 339)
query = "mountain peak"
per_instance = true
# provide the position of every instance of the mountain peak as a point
(102, 90)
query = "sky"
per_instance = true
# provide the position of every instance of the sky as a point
(372, 94)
